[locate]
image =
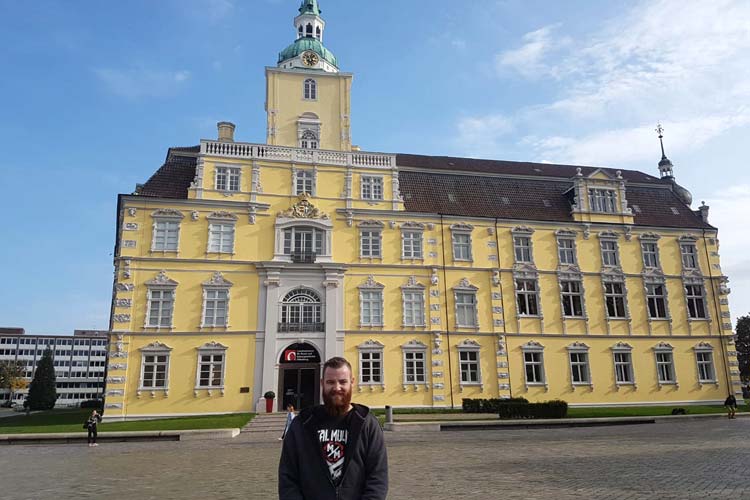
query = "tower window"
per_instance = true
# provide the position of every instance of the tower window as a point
(311, 89)
(300, 31)
(317, 32)
(309, 30)
(309, 140)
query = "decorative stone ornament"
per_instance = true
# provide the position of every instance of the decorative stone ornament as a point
(303, 209)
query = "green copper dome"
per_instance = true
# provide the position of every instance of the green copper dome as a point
(304, 44)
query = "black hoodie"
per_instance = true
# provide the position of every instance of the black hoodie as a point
(303, 474)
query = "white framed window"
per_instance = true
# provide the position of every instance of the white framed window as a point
(415, 359)
(615, 299)
(411, 244)
(166, 236)
(302, 311)
(215, 307)
(304, 182)
(310, 91)
(227, 179)
(527, 297)
(371, 187)
(603, 200)
(304, 240)
(160, 308)
(610, 254)
(221, 237)
(370, 363)
(533, 363)
(656, 298)
(211, 364)
(522, 249)
(160, 301)
(623, 363)
(578, 356)
(468, 363)
(465, 298)
(704, 358)
(650, 252)
(155, 367)
(571, 295)
(309, 140)
(371, 303)
(566, 251)
(413, 303)
(689, 254)
(665, 364)
(370, 243)
(461, 246)
(696, 301)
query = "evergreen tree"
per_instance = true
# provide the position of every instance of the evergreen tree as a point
(43, 388)
(743, 346)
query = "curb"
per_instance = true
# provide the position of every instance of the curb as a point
(468, 425)
(118, 437)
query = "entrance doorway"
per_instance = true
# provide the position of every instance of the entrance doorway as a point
(299, 373)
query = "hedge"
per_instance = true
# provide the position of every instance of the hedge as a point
(547, 409)
(487, 405)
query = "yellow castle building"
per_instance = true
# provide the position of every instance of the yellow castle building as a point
(241, 267)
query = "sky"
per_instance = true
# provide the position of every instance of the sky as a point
(93, 92)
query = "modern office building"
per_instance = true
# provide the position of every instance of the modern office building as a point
(240, 267)
(79, 362)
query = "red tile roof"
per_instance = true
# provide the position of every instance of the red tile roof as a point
(511, 193)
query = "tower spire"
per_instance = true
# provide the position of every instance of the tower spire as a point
(665, 165)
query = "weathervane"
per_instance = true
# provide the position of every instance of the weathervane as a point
(665, 166)
(660, 131)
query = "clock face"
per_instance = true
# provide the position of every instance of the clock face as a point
(310, 59)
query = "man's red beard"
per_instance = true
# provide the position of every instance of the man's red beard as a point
(337, 404)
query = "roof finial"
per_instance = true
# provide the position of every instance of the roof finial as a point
(665, 166)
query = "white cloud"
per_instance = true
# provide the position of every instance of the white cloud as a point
(528, 59)
(482, 134)
(141, 82)
(685, 63)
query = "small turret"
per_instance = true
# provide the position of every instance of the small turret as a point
(666, 171)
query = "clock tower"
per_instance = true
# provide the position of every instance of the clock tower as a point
(307, 97)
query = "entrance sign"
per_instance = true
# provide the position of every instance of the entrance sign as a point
(300, 353)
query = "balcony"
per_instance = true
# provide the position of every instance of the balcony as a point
(297, 155)
(303, 257)
(301, 327)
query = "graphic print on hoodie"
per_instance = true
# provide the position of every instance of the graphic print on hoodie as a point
(333, 441)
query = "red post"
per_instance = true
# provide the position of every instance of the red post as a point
(269, 405)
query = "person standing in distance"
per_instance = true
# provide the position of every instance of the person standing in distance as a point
(335, 450)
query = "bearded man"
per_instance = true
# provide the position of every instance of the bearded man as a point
(336, 450)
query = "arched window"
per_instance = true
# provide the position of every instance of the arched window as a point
(317, 32)
(311, 89)
(309, 30)
(301, 31)
(309, 140)
(301, 311)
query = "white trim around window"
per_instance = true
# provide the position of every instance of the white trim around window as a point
(622, 359)
(154, 373)
(216, 302)
(371, 187)
(414, 354)
(461, 242)
(160, 302)
(469, 364)
(413, 305)
(665, 367)
(211, 368)
(371, 303)
(705, 365)
(580, 368)
(533, 363)
(227, 178)
(412, 241)
(371, 373)
(165, 236)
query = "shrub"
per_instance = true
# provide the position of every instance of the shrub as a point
(92, 403)
(487, 405)
(269, 395)
(548, 409)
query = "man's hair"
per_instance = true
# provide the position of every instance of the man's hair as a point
(336, 363)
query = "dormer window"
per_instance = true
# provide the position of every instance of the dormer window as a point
(603, 200)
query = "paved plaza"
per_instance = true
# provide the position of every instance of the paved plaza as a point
(689, 459)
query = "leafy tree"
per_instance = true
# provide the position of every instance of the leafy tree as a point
(11, 377)
(43, 388)
(743, 346)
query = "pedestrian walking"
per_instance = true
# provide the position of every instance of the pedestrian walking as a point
(289, 417)
(335, 450)
(731, 405)
(90, 426)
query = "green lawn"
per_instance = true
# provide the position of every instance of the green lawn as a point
(645, 411)
(72, 421)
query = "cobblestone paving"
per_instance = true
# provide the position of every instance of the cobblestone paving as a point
(706, 459)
